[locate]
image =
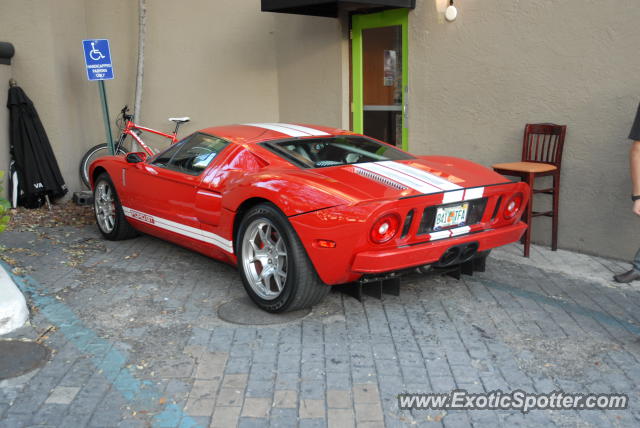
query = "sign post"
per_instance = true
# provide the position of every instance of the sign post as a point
(97, 57)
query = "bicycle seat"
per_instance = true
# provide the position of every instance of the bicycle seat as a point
(179, 119)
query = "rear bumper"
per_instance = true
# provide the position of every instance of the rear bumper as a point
(430, 252)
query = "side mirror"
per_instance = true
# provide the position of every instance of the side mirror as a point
(136, 157)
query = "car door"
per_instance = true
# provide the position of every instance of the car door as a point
(163, 190)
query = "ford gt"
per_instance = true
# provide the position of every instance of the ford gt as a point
(299, 208)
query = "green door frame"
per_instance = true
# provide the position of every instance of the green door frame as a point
(386, 18)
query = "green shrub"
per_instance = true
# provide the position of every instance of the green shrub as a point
(4, 208)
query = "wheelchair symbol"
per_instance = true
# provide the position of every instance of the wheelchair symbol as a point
(94, 53)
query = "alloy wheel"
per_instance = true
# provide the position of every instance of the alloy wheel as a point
(264, 259)
(104, 204)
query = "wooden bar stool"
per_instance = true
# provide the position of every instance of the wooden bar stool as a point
(541, 156)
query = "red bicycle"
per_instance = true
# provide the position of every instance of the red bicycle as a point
(127, 127)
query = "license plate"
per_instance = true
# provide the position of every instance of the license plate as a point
(455, 215)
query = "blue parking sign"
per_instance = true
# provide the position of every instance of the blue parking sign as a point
(97, 57)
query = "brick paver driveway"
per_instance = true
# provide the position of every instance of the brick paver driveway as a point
(136, 341)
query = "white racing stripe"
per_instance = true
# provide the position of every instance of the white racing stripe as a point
(455, 196)
(460, 230)
(475, 193)
(421, 175)
(314, 132)
(417, 179)
(281, 129)
(181, 229)
(422, 181)
(290, 129)
(434, 236)
(399, 177)
(463, 195)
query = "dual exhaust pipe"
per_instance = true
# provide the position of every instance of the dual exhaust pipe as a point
(457, 254)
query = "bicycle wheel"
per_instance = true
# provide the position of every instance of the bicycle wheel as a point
(92, 154)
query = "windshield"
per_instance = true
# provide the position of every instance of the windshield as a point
(333, 151)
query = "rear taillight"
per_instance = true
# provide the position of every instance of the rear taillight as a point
(513, 206)
(385, 228)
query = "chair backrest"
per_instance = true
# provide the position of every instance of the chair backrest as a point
(543, 142)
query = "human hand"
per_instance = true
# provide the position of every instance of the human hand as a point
(636, 207)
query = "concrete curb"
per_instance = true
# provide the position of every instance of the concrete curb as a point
(13, 306)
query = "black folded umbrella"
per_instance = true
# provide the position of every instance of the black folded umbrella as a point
(35, 164)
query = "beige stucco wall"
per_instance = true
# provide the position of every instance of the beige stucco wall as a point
(48, 67)
(212, 60)
(309, 51)
(218, 62)
(474, 84)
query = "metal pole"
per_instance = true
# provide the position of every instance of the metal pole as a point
(105, 116)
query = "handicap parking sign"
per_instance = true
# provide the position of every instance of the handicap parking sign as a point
(97, 57)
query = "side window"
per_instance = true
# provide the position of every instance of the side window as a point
(163, 158)
(194, 154)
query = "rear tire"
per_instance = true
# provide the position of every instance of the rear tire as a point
(110, 218)
(92, 154)
(274, 266)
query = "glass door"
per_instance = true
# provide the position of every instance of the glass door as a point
(379, 75)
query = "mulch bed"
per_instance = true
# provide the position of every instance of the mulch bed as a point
(61, 214)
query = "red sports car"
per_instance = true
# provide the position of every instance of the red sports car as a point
(299, 208)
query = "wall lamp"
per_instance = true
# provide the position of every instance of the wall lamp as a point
(451, 13)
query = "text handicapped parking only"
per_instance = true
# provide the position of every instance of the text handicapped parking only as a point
(97, 57)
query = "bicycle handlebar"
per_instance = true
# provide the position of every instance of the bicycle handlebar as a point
(124, 111)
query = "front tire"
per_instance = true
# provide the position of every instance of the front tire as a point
(112, 223)
(274, 266)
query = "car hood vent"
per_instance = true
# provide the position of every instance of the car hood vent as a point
(379, 178)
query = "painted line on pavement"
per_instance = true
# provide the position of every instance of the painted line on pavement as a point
(103, 355)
